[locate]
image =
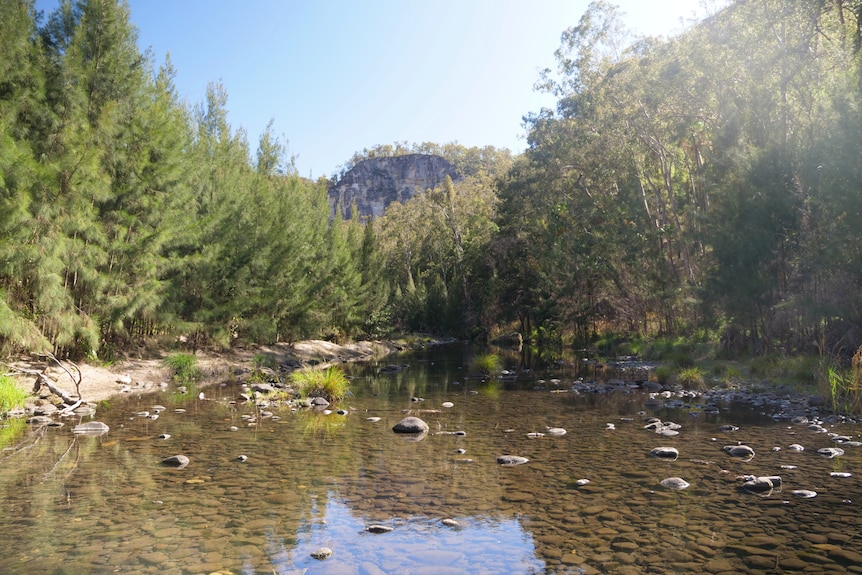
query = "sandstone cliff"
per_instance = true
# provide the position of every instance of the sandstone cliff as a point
(375, 183)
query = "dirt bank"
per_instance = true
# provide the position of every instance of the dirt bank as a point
(100, 382)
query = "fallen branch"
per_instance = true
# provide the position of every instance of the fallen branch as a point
(75, 380)
(42, 379)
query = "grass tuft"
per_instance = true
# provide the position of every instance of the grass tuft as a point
(184, 366)
(11, 394)
(486, 364)
(330, 383)
(691, 378)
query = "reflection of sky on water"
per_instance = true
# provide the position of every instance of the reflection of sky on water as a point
(417, 544)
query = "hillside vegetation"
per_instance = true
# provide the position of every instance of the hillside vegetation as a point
(705, 185)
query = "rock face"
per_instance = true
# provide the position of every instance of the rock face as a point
(375, 183)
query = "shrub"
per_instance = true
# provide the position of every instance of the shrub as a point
(486, 363)
(11, 394)
(844, 387)
(330, 383)
(691, 378)
(184, 366)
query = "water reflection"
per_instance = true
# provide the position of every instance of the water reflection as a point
(309, 479)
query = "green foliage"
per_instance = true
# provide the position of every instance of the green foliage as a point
(184, 366)
(843, 388)
(329, 383)
(486, 364)
(702, 184)
(11, 395)
(691, 378)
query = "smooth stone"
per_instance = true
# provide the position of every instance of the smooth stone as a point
(831, 452)
(378, 529)
(804, 493)
(322, 553)
(178, 461)
(558, 431)
(840, 474)
(511, 460)
(448, 404)
(91, 428)
(675, 483)
(410, 425)
(372, 419)
(665, 452)
(743, 451)
(535, 435)
(39, 420)
(795, 447)
(758, 485)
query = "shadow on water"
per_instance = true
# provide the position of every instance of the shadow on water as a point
(261, 493)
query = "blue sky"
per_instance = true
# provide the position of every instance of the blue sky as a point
(337, 76)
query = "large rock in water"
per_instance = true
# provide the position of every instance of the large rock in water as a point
(410, 425)
(375, 183)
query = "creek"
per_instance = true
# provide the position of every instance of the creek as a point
(589, 501)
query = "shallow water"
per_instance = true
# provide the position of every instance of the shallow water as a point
(107, 504)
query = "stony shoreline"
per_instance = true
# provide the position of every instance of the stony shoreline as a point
(143, 375)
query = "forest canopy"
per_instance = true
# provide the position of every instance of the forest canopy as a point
(706, 183)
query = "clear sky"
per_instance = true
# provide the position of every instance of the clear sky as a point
(337, 76)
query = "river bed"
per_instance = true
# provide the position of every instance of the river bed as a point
(263, 494)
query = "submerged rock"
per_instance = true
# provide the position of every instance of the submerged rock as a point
(378, 529)
(761, 485)
(91, 428)
(511, 460)
(742, 451)
(558, 431)
(831, 452)
(322, 553)
(665, 452)
(804, 493)
(675, 483)
(410, 425)
(178, 461)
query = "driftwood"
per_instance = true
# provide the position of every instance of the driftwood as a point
(42, 379)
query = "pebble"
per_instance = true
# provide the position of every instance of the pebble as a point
(804, 493)
(511, 460)
(322, 553)
(831, 452)
(675, 483)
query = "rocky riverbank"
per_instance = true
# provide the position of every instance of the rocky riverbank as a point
(136, 375)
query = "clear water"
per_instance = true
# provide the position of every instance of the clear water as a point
(311, 480)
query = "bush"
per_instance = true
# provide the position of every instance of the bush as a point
(691, 378)
(184, 366)
(844, 387)
(486, 363)
(11, 394)
(330, 383)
